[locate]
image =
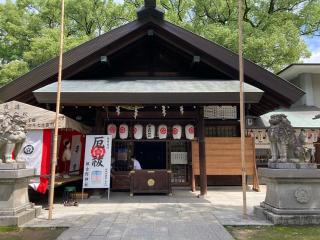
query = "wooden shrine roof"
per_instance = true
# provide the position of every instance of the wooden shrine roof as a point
(277, 91)
(148, 92)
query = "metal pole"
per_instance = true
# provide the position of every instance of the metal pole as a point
(56, 127)
(242, 114)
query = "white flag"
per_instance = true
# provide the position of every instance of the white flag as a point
(36, 151)
(31, 151)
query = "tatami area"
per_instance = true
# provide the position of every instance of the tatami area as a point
(181, 216)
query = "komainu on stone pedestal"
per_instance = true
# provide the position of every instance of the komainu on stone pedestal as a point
(15, 208)
(285, 146)
(12, 136)
(292, 196)
(293, 183)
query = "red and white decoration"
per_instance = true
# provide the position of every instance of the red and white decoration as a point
(162, 131)
(123, 131)
(189, 130)
(36, 151)
(164, 111)
(137, 131)
(176, 131)
(112, 130)
(150, 131)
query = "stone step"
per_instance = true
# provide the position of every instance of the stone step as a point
(20, 218)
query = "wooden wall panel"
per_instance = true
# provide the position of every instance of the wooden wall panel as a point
(223, 156)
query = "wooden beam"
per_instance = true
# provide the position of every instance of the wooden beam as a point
(202, 153)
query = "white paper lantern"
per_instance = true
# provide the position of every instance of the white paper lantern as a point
(150, 131)
(123, 131)
(162, 131)
(112, 130)
(189, 129)
(137, 131)
(176, 131)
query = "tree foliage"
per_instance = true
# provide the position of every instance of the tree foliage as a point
(11, 70)
(274, 29)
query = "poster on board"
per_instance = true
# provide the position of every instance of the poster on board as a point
(97, 162)
(76, 150)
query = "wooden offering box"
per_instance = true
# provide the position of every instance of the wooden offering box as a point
(150, 181)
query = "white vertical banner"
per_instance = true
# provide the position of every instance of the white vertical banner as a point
(97, 162)
(31, 151)
(76, 147)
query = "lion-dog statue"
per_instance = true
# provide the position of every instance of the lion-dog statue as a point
(12, 136)
(285, 145)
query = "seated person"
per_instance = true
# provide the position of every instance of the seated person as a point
(136, 164)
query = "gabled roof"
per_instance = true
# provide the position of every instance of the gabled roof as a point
(278, 92)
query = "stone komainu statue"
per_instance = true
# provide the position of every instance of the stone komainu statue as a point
(285, 146)
(12, 136)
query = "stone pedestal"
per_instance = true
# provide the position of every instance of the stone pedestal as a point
(293, 196)
(15, 208)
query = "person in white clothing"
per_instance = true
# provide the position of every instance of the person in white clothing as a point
(136, 164)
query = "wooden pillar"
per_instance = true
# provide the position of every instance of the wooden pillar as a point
(317, 152)
(99, 123)
(202, 153)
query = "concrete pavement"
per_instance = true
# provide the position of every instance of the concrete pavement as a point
(181, 216)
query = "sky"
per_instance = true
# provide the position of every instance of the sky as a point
(313, 44)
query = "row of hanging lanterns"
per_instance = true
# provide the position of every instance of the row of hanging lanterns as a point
(150, 131)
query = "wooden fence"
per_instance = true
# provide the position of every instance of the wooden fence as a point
(223, 158)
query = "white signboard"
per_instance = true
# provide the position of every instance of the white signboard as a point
(97, 162)
(220, 112)
(179, 158)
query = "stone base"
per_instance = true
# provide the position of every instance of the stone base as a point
(20, 218)
(15, 208)
(289, 219)
(280, 165)
(12, 166)
(292, 196)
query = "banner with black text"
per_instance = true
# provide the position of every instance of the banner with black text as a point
(97, 162)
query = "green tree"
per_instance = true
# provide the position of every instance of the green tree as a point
(274, 29)
(16, 31)
(29, 29)
(12, 70)
(46, 46)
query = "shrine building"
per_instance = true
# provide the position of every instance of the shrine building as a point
(169, 97)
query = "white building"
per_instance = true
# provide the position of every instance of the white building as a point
(304, 114)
